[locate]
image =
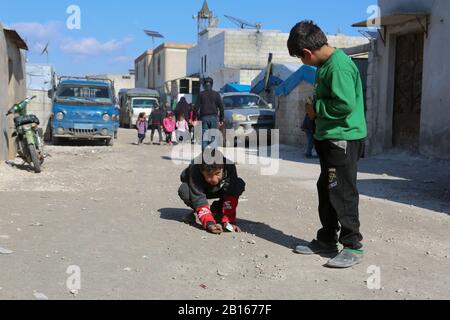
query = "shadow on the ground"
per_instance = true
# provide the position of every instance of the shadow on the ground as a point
(22, 167)
(81, 143)
(404, 177)
(268, 233)
(259, 229)
(179, 215)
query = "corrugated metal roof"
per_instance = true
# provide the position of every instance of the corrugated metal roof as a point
(15, 38)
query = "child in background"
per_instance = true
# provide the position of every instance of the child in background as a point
(169, 127)
(156, 123)
(308, 128)
(141, 127)
(182, 130)
(192, 123)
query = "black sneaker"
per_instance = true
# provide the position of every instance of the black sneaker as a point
(316, 247)
(346, 258)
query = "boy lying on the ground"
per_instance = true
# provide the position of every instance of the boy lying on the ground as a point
(217, 180)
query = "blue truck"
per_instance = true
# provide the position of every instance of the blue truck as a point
(84, 108)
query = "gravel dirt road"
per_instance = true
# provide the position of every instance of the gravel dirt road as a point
(114, 212)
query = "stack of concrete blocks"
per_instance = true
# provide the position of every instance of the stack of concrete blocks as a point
(290, 114)
(41, 107)
(40, 79)
(12, 90)
(372, 115)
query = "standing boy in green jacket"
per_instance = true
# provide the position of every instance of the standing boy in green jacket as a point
(338, 110)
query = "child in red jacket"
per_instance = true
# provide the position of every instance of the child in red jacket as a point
(216, 180)
(169, 127)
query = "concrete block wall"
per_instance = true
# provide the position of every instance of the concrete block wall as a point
(12, 90)
(250, 49)
(290, 114)
(41, 106)
(4, 79)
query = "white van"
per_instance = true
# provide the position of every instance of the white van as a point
(135, 101)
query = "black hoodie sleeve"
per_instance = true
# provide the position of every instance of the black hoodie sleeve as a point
(193, 178)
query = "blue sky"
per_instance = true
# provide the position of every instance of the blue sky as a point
(111, 34)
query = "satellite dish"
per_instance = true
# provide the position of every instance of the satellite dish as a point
(243, 24)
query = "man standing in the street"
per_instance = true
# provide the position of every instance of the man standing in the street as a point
(210, 111)
(338, 111)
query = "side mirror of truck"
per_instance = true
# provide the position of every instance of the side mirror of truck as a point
(50, 94)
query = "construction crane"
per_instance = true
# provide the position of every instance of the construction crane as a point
(244, 24)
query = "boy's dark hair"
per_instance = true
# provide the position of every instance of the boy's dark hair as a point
(210, 166)
(142, 114)
(305, 35)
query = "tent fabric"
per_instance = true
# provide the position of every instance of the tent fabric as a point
(260, 86)
(305, 73)
(280, 72)
(233, 87)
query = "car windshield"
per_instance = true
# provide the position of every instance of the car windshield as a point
(244, 101)
(84, 94)
(144, 103)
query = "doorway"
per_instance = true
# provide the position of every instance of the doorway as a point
(408, 90)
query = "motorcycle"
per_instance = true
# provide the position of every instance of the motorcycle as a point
(28, 135)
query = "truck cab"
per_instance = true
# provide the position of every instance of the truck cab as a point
(83, 109)
(135, 101)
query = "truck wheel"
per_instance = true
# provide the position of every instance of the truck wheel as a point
(34, 158)
(55, 141)
(110, 142)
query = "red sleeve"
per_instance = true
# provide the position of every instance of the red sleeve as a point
(205, 216)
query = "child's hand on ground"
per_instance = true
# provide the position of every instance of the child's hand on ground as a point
(214, 228)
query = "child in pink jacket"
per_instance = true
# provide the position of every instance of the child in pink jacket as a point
(169, 127)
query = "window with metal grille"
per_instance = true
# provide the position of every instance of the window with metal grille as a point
(185, 86)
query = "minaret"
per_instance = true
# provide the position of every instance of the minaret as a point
(205, 18)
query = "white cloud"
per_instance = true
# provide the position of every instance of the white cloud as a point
(92, 47)
(122, 59)
(34, 31)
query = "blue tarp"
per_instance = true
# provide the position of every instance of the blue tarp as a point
(273, 81)
(305, 73)
(233, 87)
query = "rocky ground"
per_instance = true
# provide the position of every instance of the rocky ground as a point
(115, 214)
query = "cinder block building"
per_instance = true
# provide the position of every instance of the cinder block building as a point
(155, 68)
(408, 78)
(12, 84)
(239, 55)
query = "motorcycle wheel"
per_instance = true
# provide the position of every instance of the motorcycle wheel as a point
(34, 158)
